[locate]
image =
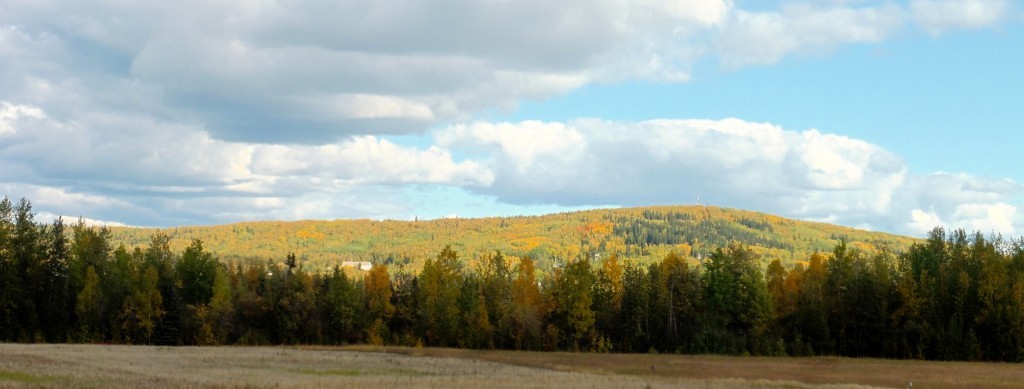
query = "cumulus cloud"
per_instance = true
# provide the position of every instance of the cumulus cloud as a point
(163, 113)
(156, 173)
(806, 174)
(313, 72)
(667, 161)
(182, 176)
(368, 160)
(963, 201)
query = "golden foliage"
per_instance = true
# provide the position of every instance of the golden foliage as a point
(549, 239)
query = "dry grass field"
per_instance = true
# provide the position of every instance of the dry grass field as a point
(33, 365)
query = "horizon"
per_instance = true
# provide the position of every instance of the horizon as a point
(888, 116)
(94, 223)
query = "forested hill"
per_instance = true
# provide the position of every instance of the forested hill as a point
(644, 234)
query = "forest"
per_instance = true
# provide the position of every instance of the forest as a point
(644, 234)
(953, 296)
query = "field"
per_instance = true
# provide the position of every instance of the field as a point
(144, 366)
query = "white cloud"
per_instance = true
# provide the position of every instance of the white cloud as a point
(368, 160)
(923, 221)
(938, 16)
(46, 217)
(521, 144)
(182, 176)
(963, 201)
(155, 173)
(659, 161)
(158, 113)
(729, 162)
(313, 72)
(50, 202)
(10, 113)
(334, 66)
(757, 38)
(362, 106)
(998, 217)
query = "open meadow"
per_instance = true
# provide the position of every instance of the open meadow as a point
(80, 365)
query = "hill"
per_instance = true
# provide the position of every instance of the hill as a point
(642, 234)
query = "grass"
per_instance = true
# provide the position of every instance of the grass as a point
(356, 373)
(25, 378)
(59, 366)
(341, 372)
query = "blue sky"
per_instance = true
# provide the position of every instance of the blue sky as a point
(947, 103)
(889, 115)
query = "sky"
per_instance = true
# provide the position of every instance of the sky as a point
(893, 116)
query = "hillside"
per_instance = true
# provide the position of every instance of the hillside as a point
(637, 233)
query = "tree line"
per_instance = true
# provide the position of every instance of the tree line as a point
(954, 296)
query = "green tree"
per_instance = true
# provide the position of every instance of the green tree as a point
(840, 295)
(476, 328)
(404, 323)
(293, 309)
(10, 290)
(496, 282)
(341, 307)
(118, 285)
(675, 293)
(196, 272)
(440, 284)
(56, 298)
(143, 309)
(158, 256)
(90, 248)
(737, 308)
(89, 307)
(252, 308)
(1000, 318)
(636, 310)
(571, 303)
(811, 315)
(26, 250)
(222, 305)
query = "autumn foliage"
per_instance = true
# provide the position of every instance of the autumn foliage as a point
(954, 296)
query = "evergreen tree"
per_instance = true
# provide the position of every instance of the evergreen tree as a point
(195, 273)
(496, 281)
(636, 310)
(31, 275)
(341, 308)
(440, 284)
(56, 297)
(9, 284)
(737, 308)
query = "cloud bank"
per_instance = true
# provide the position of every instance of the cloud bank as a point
(197, 112)
(313, 72)
(808, 174)
(189, 177)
